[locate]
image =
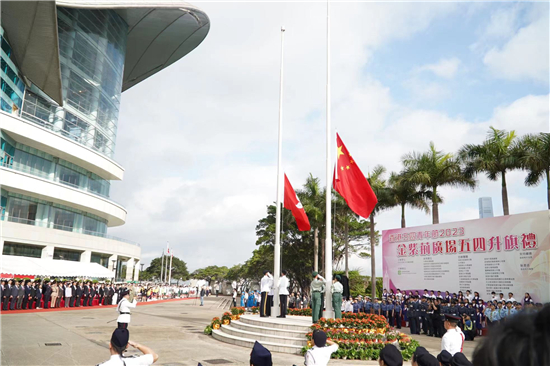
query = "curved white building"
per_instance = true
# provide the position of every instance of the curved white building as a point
(64, 67)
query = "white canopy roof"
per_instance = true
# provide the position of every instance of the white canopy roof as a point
(25, 266)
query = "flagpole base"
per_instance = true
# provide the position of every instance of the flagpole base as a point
(329, 314)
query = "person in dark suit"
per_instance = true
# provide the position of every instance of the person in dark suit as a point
(14, 290)
(27, 302)
(47, 293)
(73, 294)
(85, 294)
(111, 294)
(101, 294)
(30, 305)
(119, 294)
(79, 292)
(93, 290)
(38, 294)
(20, 296)
(5, 295)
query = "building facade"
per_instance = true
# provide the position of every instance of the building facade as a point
(59, 116)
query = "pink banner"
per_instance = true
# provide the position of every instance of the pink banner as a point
(501, 254)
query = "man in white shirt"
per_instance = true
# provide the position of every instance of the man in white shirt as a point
(68, 295)
(123, 308)
(265, 287)
(283, 293)
(120, 340)
(319, 355)
(469, 296)
(453, 340)
(510, 298)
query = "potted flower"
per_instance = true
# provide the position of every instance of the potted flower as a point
(226, 318)
(216, 323)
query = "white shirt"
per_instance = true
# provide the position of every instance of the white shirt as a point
(283, 285)
(470, 297)
(511, 299)
(68, 291)
(116, 360)
(124, 307)
(320, 356)
(266, 283)
(452, 341)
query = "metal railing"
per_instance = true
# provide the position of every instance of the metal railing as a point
(51, 225)
(39, 173)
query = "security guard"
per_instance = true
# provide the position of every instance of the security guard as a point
(317, 291)
(398, 313)
(429, 317)
(337, 290)
(423, 313)
(412, 314)
(123, 308)
(390, 312)
(367, 306)
(376, 307)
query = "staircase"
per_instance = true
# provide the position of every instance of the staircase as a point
(277, 335)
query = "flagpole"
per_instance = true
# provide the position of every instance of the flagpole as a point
(162, 267)
(166, 262)
(277, 254)
(170, 271)
(329, 313)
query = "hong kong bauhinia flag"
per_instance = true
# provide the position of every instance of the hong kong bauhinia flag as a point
(293, 204)
(350, 182)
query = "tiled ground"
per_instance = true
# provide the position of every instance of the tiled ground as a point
(173, 330)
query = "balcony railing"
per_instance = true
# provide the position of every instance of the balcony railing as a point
(48, 176)
(51, 225)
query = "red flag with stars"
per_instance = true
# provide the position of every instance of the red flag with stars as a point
(293, 204)
(350, 182)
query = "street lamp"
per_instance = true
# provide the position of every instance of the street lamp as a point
(114, 267)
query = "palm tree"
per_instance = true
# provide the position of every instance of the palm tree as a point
(534, 156)
(407, 193)
(434, 169)
(495, 157)
(385, 201)
(313, 199)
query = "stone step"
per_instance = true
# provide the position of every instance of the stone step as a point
(249, 343)
(260, 337)
(276, 323)
(268, 330)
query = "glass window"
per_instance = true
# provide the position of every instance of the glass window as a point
(22, 211)
(69, 176)
(66, 254)
(6, 47)
(31, 163)
(100, 258)
(22, 250)
(93, 227)
(98, 185)
(63, 220)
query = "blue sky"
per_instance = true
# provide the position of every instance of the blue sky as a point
(200, 151)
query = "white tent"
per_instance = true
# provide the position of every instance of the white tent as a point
(22, 266)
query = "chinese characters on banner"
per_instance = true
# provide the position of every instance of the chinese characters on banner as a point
(501, 254)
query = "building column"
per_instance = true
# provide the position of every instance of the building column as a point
(136, 272)
(129, 269)
(86, 256)
(47, 252)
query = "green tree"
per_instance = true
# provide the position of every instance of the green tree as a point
(407, 193)
(434, 169)
(313, 199)
(495, 157)
(179, 269)
(210, 273)
(534, 156)
(385, 201)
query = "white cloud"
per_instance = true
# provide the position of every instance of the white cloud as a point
(445, 68)
(525, 55)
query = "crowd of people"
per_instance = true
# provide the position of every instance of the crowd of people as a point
(426, 312)
(46, 294)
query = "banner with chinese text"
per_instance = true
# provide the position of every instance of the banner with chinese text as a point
(501, 254)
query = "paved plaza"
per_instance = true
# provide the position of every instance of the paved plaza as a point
(172, 329)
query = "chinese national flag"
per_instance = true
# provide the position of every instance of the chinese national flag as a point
(350, 182)
(293, 204)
